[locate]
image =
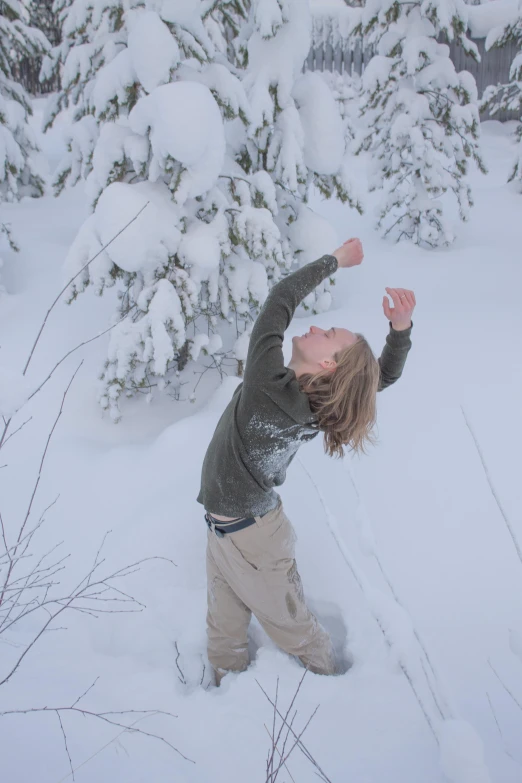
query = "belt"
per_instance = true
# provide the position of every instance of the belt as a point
(227, 527)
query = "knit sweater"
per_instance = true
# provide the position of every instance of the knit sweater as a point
(269, 416)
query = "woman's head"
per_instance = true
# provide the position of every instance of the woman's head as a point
(315, 350)
(341, 386)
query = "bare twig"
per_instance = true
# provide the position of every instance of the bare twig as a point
(46, 450)
(35, 488)
(284, 720)
(279, 752)
(66, 286)
(492, 488)
(497, 675)
(90, 592)
(297, 739)
(65, 742)
(494, 716)
(270, 765)
(506, 751)
(282, 759)
(17, 430)
(28, 585)
(103, 747)
(105, 717)
(321, 774)
(91, 686)
(7, 551)
(181, 676)
(80, 345)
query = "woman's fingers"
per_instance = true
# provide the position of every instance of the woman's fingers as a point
(393, 292)
(410, 298)
(386, 307)
(402, 297)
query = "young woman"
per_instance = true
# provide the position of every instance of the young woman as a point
(329, 386)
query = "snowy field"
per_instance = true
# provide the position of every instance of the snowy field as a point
(405, 554)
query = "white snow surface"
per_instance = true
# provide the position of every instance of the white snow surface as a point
(409, 539)
(184, 123)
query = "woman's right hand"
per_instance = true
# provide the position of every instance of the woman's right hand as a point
(349, 254)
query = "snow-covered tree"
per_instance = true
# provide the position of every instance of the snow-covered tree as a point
(42, 17)
(222, 137)
(294, 132)
(422, 121)
(19, 174)
(346, 90)
(508, 96)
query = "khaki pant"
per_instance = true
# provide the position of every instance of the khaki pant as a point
(254, 571)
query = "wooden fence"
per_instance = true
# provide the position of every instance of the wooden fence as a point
(350, 56)
(333, 49)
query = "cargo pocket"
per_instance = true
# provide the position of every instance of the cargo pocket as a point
(246, 547)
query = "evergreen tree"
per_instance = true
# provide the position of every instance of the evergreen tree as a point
(44, 17)
(422, 121)
(18, 170)
(18, 176)
(205, 115)
(296, 131)
(508, 96)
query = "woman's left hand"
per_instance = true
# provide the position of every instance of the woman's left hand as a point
(404, 305)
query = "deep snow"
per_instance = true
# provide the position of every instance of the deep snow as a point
(410, 535)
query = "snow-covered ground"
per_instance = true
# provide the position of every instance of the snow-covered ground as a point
(405, 554)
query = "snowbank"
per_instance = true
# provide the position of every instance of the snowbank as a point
(420, 541)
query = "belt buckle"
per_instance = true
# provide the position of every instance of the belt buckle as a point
(212, 526)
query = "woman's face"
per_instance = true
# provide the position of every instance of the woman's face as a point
(318, 347)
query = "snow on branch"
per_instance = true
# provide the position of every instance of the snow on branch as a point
(202, 110)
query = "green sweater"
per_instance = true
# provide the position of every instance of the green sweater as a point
(269, 417)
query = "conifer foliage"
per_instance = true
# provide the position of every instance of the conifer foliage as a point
(201, 111)
(19, 175)
(422, 121)
(508, 96)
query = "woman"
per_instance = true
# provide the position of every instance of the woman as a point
(329, 386)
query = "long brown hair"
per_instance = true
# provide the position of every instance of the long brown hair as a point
(345, 399)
